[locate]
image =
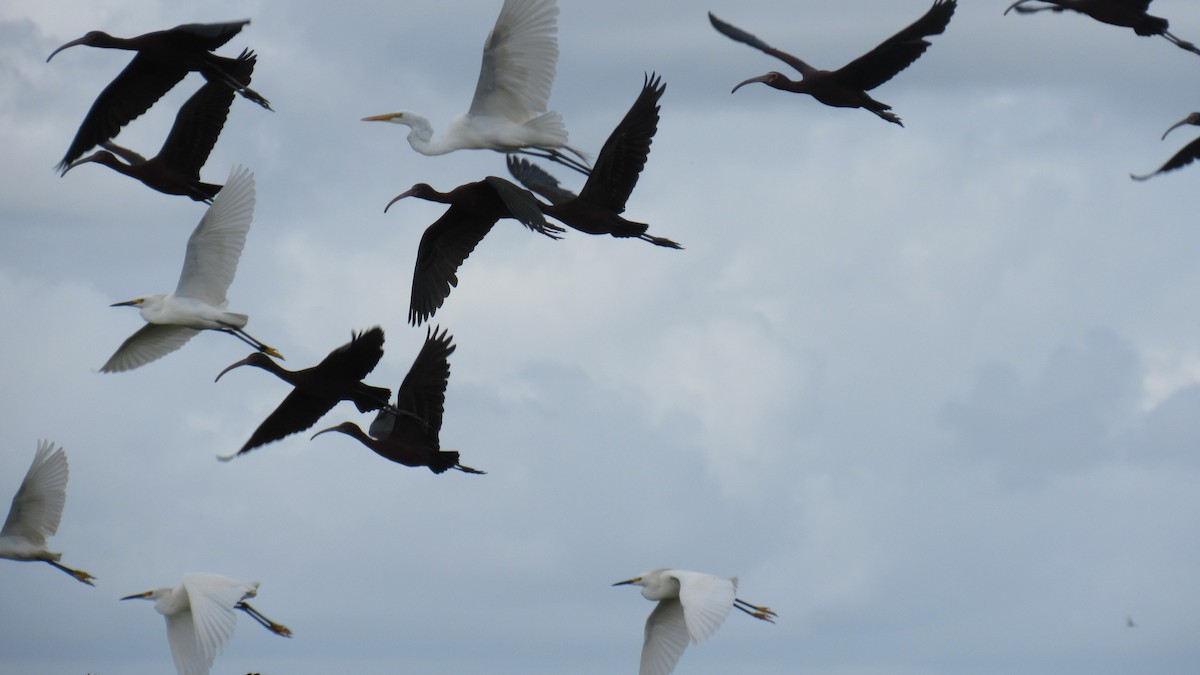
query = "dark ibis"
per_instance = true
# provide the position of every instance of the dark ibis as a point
(408, 433)
(598, 207)
(175, 170)
(338, 377)
(474, 209)
(163, 58)
(847, 87)
(1124, 13)
(1186, 155)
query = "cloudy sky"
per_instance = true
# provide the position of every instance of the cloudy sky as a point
(932, 393)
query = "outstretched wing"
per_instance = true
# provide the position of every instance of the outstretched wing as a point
(1188, 154)
(201, 119)
(523, 206)
(520, 57)
(422, 394)
(899, 51)
(624, 154)
(211, 260)
(38, 505)
(150, 343)
(734, 33)
(443, 248)
(537, 180)
(706, 600)
(666, 638)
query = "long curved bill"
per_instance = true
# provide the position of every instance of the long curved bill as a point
(397, 198)
(760, 78)
(72, 43)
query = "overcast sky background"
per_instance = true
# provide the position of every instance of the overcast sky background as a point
(931, 392)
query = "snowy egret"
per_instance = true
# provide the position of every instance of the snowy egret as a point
(1186, 155)
(175, 170)
(597, 208)
(408, 434)
(198, 302)
(200, 618)
(338, 377)
(37, 509)
(691, 606)
(474, 209)
(1124, 13)
(163, 59)
(847, 87)
(508, 113)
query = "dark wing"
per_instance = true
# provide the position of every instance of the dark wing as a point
(623, 156)
(1188, 154)
(299, 411)
(522, 206)
(357, 358)
(534, 178)
(443, 248)
(200, 121)
(734, 33)
(897, 52)
(422, 394)
(207, 36)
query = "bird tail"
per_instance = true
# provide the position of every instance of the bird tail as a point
(552, 133)
(443, 461)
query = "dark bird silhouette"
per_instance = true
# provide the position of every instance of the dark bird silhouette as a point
(847, 87)
(163, 59)
(474, 209)
(316, 390)
(1185, 156)
(1125, 13)
(175, 170)
(597, 208)
(408, 434)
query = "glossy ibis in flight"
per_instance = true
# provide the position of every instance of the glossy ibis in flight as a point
(408, 434)
(163, 59)
(338, 377)
(691, 607)
(597, 208)
(1185, 156)
(1125, 13)
(175, 170)
(847, 87)
(200, 618)
(474, 209)
(36, 511)
(199, 301)
(508, 113)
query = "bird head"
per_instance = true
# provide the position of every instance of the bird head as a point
(1193, 119)
(92, 38)
(348, 428)
(256, 359)
(772, 79)
(420, 191)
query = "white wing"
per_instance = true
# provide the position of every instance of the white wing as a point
(150, 343)
(706, 599)
(212, 598)
(216, 243)
(38, 505)
(666, 638)
(519, 62)
(185, 650)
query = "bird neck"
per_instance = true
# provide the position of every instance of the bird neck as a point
(420, 135)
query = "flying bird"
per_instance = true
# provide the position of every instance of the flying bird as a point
(847, 87)
(198, 302)
(691, 606)
(1124, 13)
(175, 170)
(408, 432)
(163, 59)
(474, 209)
(200, 618)
(508, 113)
(36, 511)
(598, 207)
(338, 377)
(1185, 156)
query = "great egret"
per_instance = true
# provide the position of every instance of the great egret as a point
(1124, 13)
(508, 113)
(338, 377)
(691, 606)
(1186, 155)
(474, 209)
(597, 208)
(198, 302)
(175, 170)
(163, 59)
(847, 87)
(200, 618)
(408, 434)
(36, 511)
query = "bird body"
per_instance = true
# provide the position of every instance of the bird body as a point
(1186, 155)
(847, 86)
(200, 617)
(691, 606)
(1123, 13)
(37, 510)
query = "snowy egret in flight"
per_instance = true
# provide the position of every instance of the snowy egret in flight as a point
(338, 377)
(508, 113)
(408, 433)
(691, 606)
(198, 302)
(200, 618)
(37, 509)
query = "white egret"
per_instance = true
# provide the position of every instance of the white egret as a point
(37, 509)
(200, 618)
(508, 113)
(691, 606)
(198, 302)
